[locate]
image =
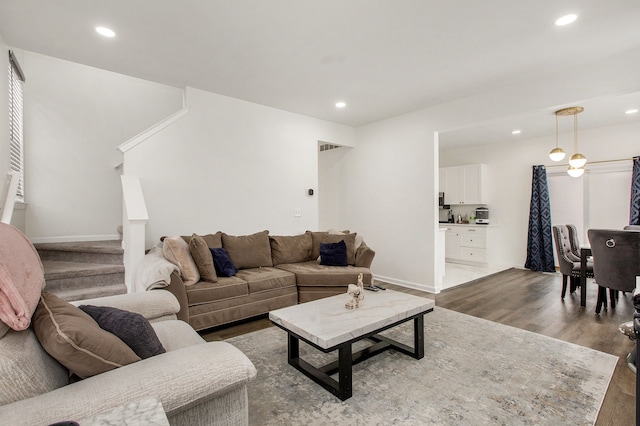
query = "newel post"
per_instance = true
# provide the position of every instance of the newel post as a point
(134, 223)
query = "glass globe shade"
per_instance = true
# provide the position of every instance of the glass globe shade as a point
(577, 160)
(557, 154)
(575, 171)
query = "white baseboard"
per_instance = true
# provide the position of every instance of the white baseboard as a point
(69, 239)
(408, 284)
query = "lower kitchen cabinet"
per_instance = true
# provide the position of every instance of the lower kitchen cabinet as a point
(467, 243)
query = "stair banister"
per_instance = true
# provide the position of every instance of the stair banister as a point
(135, 220)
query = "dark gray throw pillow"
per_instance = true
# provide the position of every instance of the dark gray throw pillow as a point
(131, 327)
(333, 254)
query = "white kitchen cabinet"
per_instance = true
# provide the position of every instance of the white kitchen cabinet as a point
(463, 184)
(451, 244)
(467, 243)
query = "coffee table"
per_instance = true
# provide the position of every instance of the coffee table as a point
(327, 325)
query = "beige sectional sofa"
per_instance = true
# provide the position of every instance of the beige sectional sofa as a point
(273, 272)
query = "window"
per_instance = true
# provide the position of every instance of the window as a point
(16, 157)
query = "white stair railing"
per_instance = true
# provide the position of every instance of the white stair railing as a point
(135, 220)
(9, 196)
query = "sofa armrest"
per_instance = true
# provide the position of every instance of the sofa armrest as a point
(153, 305)
(177, 288)
(364, 256)
(181, 379)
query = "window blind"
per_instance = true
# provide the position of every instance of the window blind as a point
(16, 144)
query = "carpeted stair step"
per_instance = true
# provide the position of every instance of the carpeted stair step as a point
(76, 280)
(109, 252)
(83, 269)
(91, 292)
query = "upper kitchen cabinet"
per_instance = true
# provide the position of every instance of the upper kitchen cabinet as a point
(463, 184)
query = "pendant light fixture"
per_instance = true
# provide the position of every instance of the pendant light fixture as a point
(577, 160)
(557, 153)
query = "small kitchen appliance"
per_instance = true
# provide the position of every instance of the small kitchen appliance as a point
(482, 215)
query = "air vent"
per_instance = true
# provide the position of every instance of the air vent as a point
(328, 146)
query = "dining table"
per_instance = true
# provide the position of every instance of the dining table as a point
(585, 252)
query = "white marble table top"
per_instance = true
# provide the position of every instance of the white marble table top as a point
(147, 412)
(327, 323)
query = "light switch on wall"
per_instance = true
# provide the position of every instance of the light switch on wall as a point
(297, 212)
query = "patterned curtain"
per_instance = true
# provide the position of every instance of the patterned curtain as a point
(539, 239)
(634, 215)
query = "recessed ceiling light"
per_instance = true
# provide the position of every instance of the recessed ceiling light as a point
(516, 132)
(631, 111)
(566, 19)
(107, 32)
(340, 104)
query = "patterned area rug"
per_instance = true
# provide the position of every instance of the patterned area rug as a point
(475, 372)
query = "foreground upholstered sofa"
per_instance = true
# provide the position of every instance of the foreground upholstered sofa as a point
(273, 272)
(197, 383)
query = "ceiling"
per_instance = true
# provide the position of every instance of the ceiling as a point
(383, 58)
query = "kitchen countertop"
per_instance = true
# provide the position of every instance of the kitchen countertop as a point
(473, 225)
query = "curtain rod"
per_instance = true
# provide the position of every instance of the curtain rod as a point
(598, 162)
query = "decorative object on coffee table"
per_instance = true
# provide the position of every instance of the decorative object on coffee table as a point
(357, 294)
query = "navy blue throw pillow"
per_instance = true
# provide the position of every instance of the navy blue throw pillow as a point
(223, 263)
(333, 254)
(130, 327)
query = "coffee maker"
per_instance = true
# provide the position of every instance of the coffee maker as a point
(482, 215)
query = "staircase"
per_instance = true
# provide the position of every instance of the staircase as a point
(83, 270)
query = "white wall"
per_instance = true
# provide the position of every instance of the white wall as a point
(509, 177)
(232, 166)
(75, 118)
(388, 196)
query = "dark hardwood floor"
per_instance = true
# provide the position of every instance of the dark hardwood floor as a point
(531, 301)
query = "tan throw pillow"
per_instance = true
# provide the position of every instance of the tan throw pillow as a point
(286, 249)
(248, 251)
(76, 341)
(176, 251)
(350, 241)
(317, 237)
(202, 257)
(213, 240)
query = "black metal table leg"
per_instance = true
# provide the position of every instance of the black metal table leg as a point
(418, 337)
(294, 348)
(345, 370)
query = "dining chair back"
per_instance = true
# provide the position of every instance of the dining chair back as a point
(568, 262)
(616, 259)
(574, 240)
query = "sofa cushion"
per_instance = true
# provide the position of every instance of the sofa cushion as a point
(176, 251)
(262, 279)
(316, 239)
(74, 339)
(291, 249)
(27, 369)
(350, 241)
(311, 273)
(226, 287)
(223, 263)
(333, 254)
(248, 251)
(130, 327)
(202, 257)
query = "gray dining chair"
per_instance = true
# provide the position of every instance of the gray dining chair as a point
(616, 261)
(568, 262)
